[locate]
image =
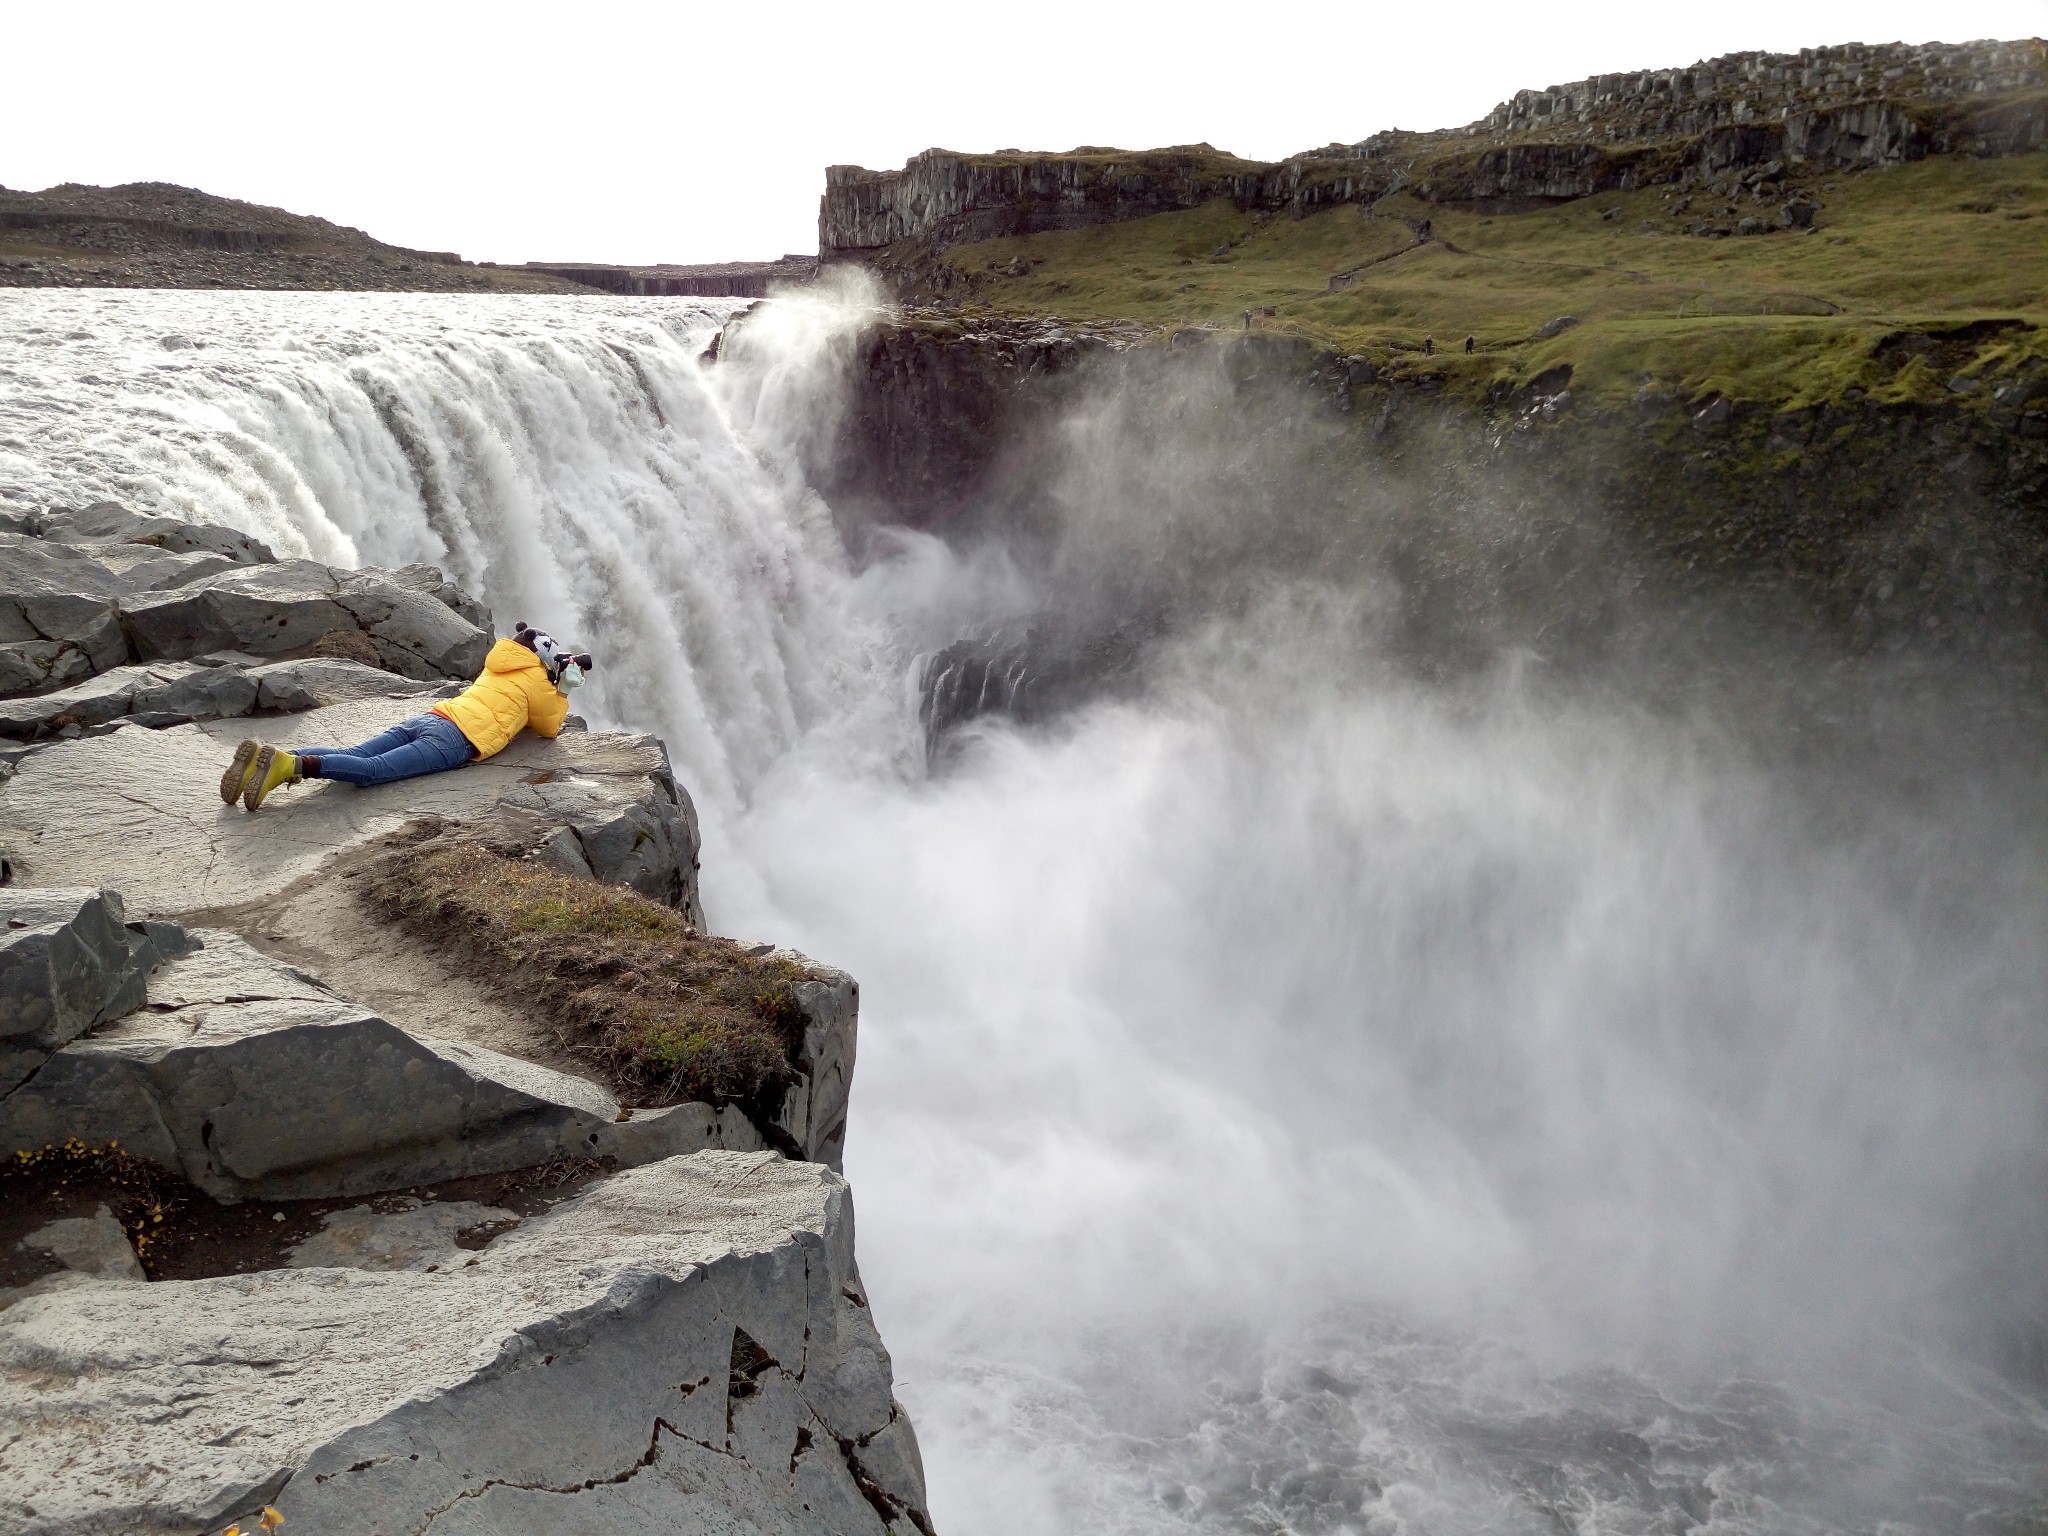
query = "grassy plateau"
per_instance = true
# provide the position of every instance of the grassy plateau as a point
(1789, 316)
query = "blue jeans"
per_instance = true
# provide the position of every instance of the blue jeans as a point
(424, 744)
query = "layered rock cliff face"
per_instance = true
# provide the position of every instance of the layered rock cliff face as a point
(1830, 107)
(945, 197)
(717, 279)
(461, 1277)
(1751, 87)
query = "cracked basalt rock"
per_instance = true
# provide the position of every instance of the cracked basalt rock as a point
(814, 1110)
(70, 960)
(291, 607)
(253, 1080)
(108, 524)
(138, 810)
(684, 1346)
(218, 686)
(58, 620)
(82, 593)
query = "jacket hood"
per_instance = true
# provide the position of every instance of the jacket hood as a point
(510, 656)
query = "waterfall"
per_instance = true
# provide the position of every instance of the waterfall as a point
(1295, 1094)
(568, 460)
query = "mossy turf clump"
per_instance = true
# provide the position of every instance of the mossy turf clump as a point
(669, 1014)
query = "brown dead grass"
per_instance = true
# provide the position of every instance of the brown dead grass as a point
(666, 1013)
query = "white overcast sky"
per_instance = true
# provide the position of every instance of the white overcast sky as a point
(683, 132)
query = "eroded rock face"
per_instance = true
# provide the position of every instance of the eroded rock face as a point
(813, 1113)
(253, 1080)
(685, 1346)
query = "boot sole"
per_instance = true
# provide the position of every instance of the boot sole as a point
(237, 775)
(252, 792)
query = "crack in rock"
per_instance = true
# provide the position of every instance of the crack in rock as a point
(626, 1474)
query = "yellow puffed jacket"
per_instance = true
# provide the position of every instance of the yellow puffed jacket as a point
(511, 695)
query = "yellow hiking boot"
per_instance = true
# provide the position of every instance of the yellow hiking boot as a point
(237, 775)
(274, 766)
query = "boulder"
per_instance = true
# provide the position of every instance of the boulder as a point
(254, 1080)
(293, 607)
(647, 840)
(110, 523)
(139, 811)
(145, 568)
(813, 1112)
(88, 1245)
(1797, 213)
(685, 1346)
(291, 687)
(69, 960)
(58, 622)
(166, 693)
(428, 581)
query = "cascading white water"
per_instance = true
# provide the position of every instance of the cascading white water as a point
(1293, 1098)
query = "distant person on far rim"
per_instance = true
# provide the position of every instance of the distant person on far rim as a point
(524, 685)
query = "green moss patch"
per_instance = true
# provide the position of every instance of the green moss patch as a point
(666, 1013)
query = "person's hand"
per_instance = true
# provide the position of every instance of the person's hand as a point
(572, 677)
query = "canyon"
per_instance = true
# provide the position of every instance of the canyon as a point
(1427, 756)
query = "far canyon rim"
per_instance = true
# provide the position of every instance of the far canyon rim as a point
(1417, 768)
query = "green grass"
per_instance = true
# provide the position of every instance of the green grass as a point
(1784, 317)
(668, 1014)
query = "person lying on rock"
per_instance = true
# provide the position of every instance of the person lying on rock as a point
(524, 685)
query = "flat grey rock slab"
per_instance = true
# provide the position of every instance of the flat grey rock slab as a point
(291, 687)
(253, 1080)
(685, 1346)
(417, 1236)
(166, 693)
(140, 811)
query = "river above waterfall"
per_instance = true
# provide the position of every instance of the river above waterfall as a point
(1297, 1092)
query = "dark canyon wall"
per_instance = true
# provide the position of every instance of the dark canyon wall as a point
(1529, 517)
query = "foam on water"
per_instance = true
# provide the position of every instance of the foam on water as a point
(1295, 1098)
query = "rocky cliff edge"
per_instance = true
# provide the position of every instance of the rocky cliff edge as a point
(303, 1213)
